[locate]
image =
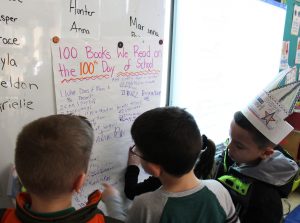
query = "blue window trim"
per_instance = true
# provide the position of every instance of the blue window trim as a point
(275, 3)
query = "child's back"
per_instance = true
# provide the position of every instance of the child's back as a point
(51, 158)
(207, 202)
(169, 143)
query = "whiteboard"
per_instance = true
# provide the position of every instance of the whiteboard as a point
(27, 84)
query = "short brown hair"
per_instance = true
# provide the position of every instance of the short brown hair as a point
(51, 152)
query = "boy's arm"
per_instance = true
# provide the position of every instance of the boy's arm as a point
(135, 213)
(141, 212)
(113, 202)
(224, 199)
(133, 188)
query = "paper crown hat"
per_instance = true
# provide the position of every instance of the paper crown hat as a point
(277, 101)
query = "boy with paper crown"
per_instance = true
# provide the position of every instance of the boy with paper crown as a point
(254, 168)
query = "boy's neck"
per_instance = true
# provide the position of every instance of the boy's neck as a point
(48, 205)
(179, 184)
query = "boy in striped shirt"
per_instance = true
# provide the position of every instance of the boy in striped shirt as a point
(168, 142)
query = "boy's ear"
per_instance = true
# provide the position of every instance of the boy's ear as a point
(267, 152)
(154, 169)
(79, 182)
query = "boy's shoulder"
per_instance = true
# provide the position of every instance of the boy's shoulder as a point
(13, 217)
(205, 188)
(209, 195)
(217, 188)
(276, 170)
(212, 184)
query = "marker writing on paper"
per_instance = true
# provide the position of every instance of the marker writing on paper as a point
(76, 28)
(74, 9)
(8, 61)
(16, 1)
(9, 40)
(133, 22)
(80, 11)
(7, 19)
(16, 104)
(18, 84)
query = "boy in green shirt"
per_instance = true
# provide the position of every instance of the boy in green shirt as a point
(169, 142)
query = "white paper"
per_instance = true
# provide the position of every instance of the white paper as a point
(269, 109)
(296, 21)
(284, 55)
(111, 86)
(297, 57)
(261, 120)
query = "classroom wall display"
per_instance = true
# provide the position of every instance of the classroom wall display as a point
(96, 69)
(290, 54)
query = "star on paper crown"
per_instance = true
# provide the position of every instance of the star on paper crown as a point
(277, 101)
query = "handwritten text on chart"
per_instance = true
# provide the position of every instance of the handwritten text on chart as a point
(111, 84)
(98, 62)
(17, 1)
(108, 83)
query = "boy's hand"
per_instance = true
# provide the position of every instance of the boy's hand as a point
(133, 159)
(109, 191)
(113, 202)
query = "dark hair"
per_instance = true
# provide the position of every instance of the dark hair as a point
(261, 141)
(51, 152)
(168, 136)
(204, 166)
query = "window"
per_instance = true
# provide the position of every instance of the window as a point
(225, 52)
